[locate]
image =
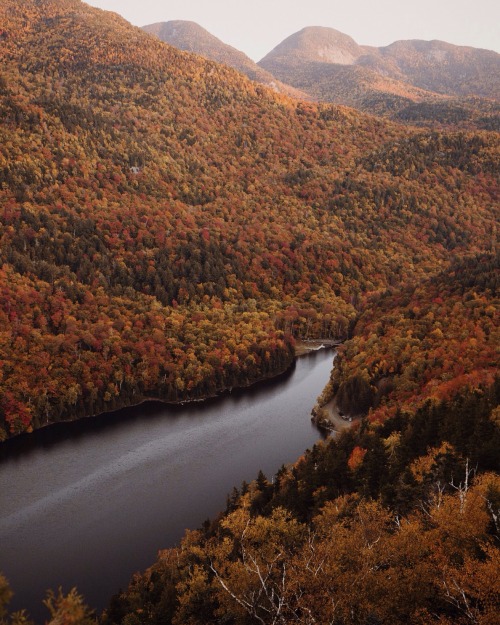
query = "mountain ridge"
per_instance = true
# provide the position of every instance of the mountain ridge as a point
(410, 60)
(191, 37)
(331, 66)
(431, 83)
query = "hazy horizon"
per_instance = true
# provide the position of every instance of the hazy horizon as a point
(257, 28)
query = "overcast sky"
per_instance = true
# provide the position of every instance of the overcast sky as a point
(257, 26)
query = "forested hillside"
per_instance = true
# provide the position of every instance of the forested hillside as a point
(191, 37)
(169, 227)
(422, 343)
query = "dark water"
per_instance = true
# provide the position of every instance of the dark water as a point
(87, 504)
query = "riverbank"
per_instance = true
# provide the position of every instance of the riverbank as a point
(306, 346)
(331, 419)
(301, 348)
(328, 418)
(121, 403)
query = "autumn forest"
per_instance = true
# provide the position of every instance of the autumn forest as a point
(170, 229)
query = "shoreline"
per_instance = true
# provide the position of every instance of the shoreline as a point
(164, 402)
(302, 348)
(307, 346)
(330, 419)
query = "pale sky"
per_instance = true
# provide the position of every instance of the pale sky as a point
(257, 26)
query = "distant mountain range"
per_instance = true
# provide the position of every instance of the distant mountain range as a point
(412, 81)
(434, 66)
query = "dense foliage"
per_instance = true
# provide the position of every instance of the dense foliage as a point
(424, 342)
(168, 227)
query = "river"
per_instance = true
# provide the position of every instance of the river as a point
(89, 503)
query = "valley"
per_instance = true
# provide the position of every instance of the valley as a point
(171, 229)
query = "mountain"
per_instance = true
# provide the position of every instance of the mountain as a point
(170, 229)
(408, 80)
(314, 44)
(191, 37)
(440, 67)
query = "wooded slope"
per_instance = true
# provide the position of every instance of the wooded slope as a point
(168, 227)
